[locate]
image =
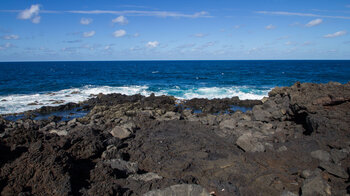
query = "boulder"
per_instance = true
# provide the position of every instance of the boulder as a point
(260, 114)
(180, 190)
(321, 155)
(315, 185)
(249, 143)
(337, 155)
(334, 169)
(120, 132)
(288, 193)
(228, 124)
(59, 132)
(119, 164)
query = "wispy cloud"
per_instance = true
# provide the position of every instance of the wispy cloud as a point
(336, 34)
(152, 44)
(199, 35)
(73, 41)
(201, 14)
(119, 33)
(85, 21)
(9, 37)
(35, 10)
(122, 20)
(89, 34)
(5, 46)
(31, 13)
(307, 43)
(314, 22)
(269, 27)
(281, 13)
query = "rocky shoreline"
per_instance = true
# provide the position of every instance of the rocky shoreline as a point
(295, 142)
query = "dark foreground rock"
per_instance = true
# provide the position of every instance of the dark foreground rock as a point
(295, 142)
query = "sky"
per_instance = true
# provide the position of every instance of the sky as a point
(83, 30)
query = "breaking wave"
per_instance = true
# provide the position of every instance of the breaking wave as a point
(22, 102)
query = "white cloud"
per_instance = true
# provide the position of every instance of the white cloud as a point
(307, 43)
(314, 22)
(36, 20)
(269, 27)
(31, 13)
(336, 34)
(5, 46)
(119, 33)
(89, 34)
(122, 20)
(301, 14)
(237, 26)
(136, 35)
(201, 14)
(200, 35)
(290, 43)
(85, 21)
(8, 37)
(153, 44)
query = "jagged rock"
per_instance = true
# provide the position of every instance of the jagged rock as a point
(249, 143)
(228, 124)
(180, 190)
(315, 186)
(260, 114)
(120, 132)
(337, 155)
(334, 169)
(127, 167)
(145, 177)
(320, 155)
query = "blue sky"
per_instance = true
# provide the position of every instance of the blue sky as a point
(161, 30)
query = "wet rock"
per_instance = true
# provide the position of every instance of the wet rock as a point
(58, 102)
(249, 143)
(120, 132)
(180, 190)
(334, 169)
(320, 155)
(127, 167)
(316, 186)
(145, 177)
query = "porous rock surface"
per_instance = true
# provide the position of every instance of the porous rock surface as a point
(295, 142)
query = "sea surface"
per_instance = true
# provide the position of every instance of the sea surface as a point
(30, 85)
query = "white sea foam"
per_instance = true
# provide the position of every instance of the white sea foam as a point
(20, 103)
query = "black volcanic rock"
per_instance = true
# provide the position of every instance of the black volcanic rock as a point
(295, 141)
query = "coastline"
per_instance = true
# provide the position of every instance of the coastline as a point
(295, 141)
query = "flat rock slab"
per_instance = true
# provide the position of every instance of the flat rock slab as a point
(334, 169)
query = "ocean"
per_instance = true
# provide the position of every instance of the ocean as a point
(30, 85)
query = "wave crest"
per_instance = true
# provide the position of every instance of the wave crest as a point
(20, 103)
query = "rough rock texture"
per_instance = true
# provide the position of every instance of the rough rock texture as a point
(296, 141)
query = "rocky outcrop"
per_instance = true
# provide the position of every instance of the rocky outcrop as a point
(296, 141)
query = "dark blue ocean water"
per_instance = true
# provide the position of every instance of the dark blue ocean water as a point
(22, 83)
